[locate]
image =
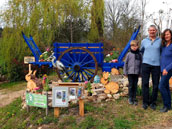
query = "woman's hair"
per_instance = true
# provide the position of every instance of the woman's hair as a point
(134, 43)
(163, 36)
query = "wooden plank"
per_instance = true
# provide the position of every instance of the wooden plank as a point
(81, 47)
(56, 112)
(50, 98)
(96, 90)
(67, 84)
(98, 87)
(28, 59)
(81, 107)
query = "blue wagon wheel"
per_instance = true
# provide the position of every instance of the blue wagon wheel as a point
(80, 63)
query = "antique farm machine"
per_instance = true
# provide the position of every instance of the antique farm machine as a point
(81, 60)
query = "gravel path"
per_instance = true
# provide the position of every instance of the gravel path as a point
(6, 96)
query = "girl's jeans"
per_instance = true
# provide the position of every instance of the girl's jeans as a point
(165, 90)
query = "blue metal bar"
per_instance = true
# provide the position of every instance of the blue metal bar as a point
(70, 75)
(83, 76)
(66, 61)
(125, 50)
(88, 73)
(91, 61)
(79, 77)
(33, 47)
(68, 66)
(70, 57)
(84, 58)
(88, 67)
(69, 70)
(74, 77)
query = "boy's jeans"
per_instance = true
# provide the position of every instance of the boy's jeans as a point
(133, 79)
(165, 90)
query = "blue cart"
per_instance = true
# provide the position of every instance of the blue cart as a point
(81, 60)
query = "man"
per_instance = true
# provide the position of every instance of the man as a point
(150, 47)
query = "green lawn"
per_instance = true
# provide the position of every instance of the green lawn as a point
(106, 115)
(13, 86)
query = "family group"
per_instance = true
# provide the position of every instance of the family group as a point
(153, 59)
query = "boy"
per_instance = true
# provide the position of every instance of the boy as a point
(132, 69)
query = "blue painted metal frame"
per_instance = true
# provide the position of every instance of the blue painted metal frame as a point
(95, 48)
(35, 51)
(33, 47)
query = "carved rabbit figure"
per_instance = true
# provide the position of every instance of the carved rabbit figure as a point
(31, 85)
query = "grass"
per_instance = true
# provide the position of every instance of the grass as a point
(105, 115)
(14, 86)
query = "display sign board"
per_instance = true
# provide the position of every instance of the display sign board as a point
(60, 97)
(28, 59)
(36, 100)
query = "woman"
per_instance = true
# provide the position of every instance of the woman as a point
(166, 69)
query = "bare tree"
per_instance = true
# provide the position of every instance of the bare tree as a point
(113, 13)
(158, 21)
(121, 18)
(143, 6)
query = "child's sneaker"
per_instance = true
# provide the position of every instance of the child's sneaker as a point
(130, 101)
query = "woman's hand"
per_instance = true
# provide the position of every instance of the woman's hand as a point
(164, 72)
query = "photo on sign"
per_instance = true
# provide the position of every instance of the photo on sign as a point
(79, 92)
(72, 93)
(64, 96)
(59, 95)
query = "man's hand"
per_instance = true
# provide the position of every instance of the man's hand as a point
(164, 72)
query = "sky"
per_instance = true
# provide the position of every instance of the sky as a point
(152, 7)
(2, 2)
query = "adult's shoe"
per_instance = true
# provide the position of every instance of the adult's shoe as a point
(145, 106)
(153, 106)
(164, 109)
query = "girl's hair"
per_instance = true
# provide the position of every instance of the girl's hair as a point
(134, 43)
(163, 36)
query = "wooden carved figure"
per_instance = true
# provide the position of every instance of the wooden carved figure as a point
(31, 85)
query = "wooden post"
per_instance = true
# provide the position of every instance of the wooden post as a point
(29, 67)
(28, 109)
(81, 107)
(47, 104)
(56, 111)
(27, 106)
